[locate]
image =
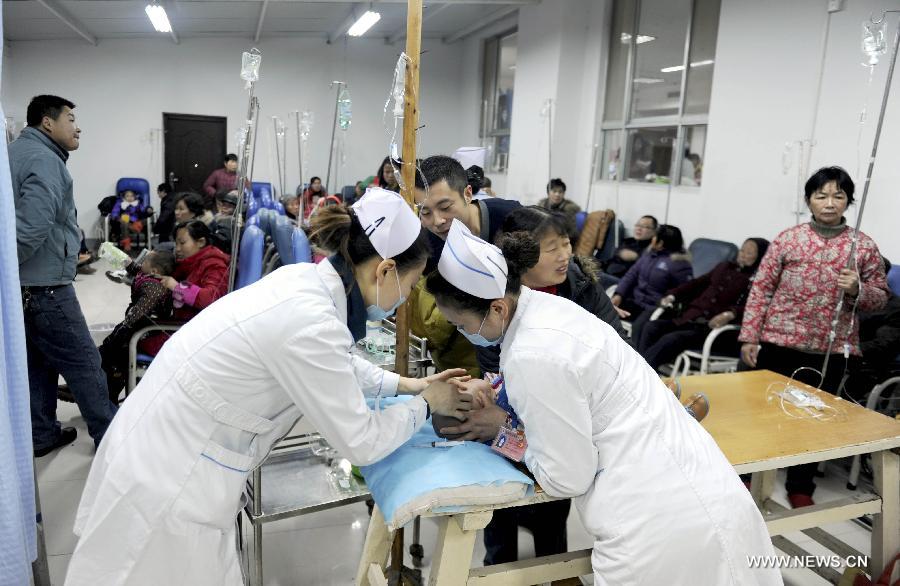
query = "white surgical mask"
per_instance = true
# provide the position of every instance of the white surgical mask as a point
(376, 312)
(477, 339)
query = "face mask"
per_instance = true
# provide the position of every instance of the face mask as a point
(376, 313)
(477, 339)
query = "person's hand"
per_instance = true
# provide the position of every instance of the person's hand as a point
(749, 354)
(667, 301)
(419, 384)
(849, 282)
(149, 211)
(617, 300)
(720, 320)
(480, 389)
(168, 282)
(446, 399)
(482, 424)
(628, 255)
(622, 313)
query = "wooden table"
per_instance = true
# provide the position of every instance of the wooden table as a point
(758, 437)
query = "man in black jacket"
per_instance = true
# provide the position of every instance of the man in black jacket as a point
(165, 222)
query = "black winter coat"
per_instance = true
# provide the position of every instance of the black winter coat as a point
(581, 286)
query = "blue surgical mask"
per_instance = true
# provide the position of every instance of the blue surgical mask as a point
(376, 312)
(477, 339)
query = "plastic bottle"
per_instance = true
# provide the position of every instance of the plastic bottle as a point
(344, 109)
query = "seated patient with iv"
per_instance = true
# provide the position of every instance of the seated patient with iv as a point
(599, 426)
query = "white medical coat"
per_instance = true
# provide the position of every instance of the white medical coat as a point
(651, 485)
(167, 482)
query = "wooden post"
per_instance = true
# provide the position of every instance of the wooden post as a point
(408, 170)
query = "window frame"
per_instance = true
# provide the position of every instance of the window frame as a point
(488, 131)
(678, 121)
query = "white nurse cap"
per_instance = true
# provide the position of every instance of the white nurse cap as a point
(468, 156)
(387, 220)
(472, 265)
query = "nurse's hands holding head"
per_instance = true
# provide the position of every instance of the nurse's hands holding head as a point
(445, 399)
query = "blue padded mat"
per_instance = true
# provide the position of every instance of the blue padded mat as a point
(412, 472)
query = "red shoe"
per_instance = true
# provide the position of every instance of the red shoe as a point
(798, 500)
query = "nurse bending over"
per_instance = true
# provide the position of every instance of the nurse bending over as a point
(661, 500)
(168, 479)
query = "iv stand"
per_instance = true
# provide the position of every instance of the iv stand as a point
(247, 159)
(337, 99)
(851, 259)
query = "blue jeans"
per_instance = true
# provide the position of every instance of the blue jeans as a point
(58, 343)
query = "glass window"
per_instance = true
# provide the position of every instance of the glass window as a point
(498, 82)
(656, 86)
(694, 149)
(650, 154)
(644, 107)
(613, 154)
(704, 32)
(617, 70)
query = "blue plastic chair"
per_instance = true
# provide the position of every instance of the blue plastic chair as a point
(300, 244)
(707, 253)
(279, 208)
(283, 237)
(893, 279)
(250, 261)
(580, 219)
(259, 186)
(141, 188)
(610, 243)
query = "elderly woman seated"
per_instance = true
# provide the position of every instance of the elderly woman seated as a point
(700, 305)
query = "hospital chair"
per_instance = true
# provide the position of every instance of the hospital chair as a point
(610, 242)
(873, 402)
(249, 271)
(250, 257)
(259, 188)
(141, 188)
(707, 253)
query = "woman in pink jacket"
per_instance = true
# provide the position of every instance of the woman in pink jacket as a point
(788, 317)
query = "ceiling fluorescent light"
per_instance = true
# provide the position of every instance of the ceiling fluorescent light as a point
(681, 67)
(364, 23)
(626, 38)
(158, 17)
(648, 80)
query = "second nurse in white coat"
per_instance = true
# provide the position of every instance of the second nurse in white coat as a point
(166, 485)
(651, 485)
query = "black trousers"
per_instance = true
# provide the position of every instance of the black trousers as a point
(786, 361)
(639, 318)
(662, 341)
(546, 521)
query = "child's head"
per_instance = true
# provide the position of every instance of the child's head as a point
(128, 195)
(159, 262)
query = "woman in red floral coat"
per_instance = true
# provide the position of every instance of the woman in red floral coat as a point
(791, 306)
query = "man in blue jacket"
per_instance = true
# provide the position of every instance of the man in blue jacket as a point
(48, 239)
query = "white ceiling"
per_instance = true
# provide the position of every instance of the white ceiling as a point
(36, 20)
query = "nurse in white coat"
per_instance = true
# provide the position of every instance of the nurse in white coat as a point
(168, 480)
(659, 497)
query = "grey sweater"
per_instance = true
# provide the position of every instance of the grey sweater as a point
(47, 234)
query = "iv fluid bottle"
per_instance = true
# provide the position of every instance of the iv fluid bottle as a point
(344, 110)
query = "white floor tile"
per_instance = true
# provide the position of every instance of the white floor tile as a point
(59, 565)
(59, 503)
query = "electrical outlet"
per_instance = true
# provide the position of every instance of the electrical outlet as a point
(835, 5)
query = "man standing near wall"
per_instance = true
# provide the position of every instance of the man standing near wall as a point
(224, 179)
(47, 238)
